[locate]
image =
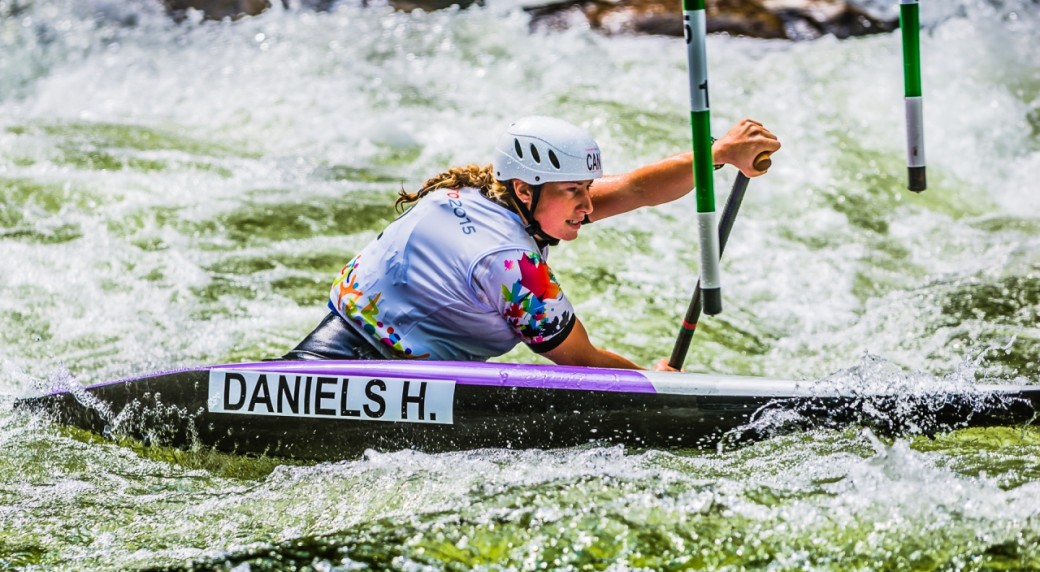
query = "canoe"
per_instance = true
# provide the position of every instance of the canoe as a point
(330, 410)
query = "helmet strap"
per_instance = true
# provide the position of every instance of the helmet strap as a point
(533, 228)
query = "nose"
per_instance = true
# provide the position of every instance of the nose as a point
(585, 203)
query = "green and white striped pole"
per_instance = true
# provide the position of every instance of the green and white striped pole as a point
(910, 26)
(696, 31)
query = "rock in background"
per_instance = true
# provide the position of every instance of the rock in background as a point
(774, 19)
(233, 9)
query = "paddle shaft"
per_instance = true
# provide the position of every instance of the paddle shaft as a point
(729, 214)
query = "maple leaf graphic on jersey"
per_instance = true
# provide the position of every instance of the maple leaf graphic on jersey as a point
(536, 277)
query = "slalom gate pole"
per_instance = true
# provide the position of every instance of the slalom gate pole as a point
(910, 26)
(695, 31)
(729, 214)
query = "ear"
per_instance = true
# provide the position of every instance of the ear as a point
(523, 191)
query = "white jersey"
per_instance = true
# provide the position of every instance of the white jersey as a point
(455, 278)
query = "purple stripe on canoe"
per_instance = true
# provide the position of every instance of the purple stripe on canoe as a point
(468, 373)
(137, 377)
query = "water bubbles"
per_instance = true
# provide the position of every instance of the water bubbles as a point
(161, 154)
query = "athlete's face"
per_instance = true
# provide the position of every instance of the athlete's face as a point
(561, 207)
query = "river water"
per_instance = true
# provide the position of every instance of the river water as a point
(174, 195)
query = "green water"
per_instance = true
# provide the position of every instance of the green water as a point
(175, 195)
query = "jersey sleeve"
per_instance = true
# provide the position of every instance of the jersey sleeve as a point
(520, 286)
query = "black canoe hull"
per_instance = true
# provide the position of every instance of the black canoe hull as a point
(177, 409)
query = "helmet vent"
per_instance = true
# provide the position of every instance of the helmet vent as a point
(519, 149)
(534, 154)
(552, 159)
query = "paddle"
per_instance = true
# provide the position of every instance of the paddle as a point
(729, 214)
(910, 25)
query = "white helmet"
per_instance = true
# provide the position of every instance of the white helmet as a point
(539, 150)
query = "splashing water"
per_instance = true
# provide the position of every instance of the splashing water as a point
(172, 195)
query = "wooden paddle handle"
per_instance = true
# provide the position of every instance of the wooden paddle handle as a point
(763, 162)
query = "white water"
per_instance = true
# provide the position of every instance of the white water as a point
(183, 194)
(275, 99)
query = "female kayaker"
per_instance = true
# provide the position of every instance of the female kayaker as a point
(463, 273)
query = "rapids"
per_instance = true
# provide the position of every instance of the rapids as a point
(180, 194)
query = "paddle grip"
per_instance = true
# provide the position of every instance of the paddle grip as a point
(762, 161)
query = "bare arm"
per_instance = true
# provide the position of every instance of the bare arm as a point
(672, 178)
(577, 349)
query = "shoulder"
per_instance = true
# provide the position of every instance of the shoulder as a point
(519, 271)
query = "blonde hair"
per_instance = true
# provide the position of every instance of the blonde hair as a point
(457, 177)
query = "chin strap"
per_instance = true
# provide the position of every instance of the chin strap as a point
(533, 228)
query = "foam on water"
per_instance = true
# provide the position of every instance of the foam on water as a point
(169, 127)
(180, 194)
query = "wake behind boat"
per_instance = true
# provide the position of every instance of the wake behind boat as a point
(331, 410)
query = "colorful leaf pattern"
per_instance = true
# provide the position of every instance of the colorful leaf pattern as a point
(526, 298)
